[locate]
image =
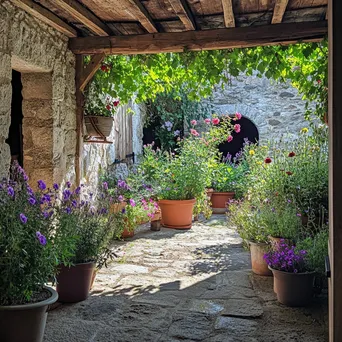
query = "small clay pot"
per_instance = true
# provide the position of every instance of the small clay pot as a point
(293, 289)
(127, 233)
(156, 225)
(25, 322)
(177, 214)
(259, 265)
(73, 283)
(219, 201)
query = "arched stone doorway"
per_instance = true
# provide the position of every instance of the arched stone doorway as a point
(248, 131)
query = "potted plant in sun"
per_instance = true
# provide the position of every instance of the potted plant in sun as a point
(99, 110)
(87, 218)
(28, 258)
(247, 220)
(293, 279)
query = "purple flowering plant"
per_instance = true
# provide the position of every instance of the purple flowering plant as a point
(28, 252)
(287, 258)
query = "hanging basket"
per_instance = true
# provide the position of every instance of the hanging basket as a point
(98, 126)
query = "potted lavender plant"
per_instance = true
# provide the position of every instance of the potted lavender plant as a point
(293, 279)
(30, 250)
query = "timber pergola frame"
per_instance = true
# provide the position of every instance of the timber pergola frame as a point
(137, 27)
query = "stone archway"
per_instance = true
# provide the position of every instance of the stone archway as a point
(249, 132)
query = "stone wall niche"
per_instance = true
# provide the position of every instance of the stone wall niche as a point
(38, 127)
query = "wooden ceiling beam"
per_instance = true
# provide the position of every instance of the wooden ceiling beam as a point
(279, 11)
(229, 19)
(184, 13)
(45, 16)
(142, 15)
(83, 15)
(89, 71)
(227, 38)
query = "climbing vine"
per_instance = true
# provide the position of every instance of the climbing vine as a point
(143, 77)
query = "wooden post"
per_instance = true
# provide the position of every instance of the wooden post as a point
(335, 167)
(79, 118)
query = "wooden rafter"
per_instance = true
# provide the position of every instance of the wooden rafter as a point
(227, 38)
(279, 10)
(46, 16)
(89, 71)
(229, 19)
(83, 15)
(142, 15)
(184, 13)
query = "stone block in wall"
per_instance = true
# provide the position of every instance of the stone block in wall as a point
(5, 95)
(40, 110)
(40, 174)
(37, 86)
(42, 137)
(5, 67)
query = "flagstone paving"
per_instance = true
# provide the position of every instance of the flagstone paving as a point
(193, 285)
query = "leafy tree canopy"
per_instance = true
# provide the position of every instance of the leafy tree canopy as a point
(143, 77)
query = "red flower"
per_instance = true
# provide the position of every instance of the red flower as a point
(104, 67)
(108, 107)
(230, 138)
(116, 103)
(319, 81)
(215, 121)
(289, 173)
(237, 128)
(268, 160)
(194, 132)
(292, 154)
(193, 122)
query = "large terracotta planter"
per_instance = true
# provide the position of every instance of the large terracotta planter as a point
(177, 214)
(259, 265)
(19, 323)
(98, 126)
(219, 201)
(73, 283)
(293, 289)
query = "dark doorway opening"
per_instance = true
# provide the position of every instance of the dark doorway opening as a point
(249, 132)
(15, 137)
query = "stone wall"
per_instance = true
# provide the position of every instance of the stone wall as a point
(274, 108)
(49, 109)
(48, 76)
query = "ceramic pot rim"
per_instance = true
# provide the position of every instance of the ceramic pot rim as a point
(291, 273)
(52, 299)
(258, 243)
(223, 193)
(165, 201)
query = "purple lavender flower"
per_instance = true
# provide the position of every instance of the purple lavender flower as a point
(66, 195)
(176, 133)
(23, 218)
(74, 203)
(10, 191)
(68, 210)
(32, 201)
(41, 185)
(55, 186)
(123, 211)
(103, 211)
(68, 184)
(78, 190)
(41, 238)
(132, 202)
(120, 198)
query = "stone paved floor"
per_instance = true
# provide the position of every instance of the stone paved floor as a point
(193, 285)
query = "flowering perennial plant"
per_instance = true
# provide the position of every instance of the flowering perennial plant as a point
(287, 259)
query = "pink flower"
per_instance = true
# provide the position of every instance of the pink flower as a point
(238, 116)
(193, 122)
(194, 132)
(207, 121)
(237, 128)
(230, 138)
(215, 121)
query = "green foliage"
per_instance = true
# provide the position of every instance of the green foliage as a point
(30, 248)
(144, 77)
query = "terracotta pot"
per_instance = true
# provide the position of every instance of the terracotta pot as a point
(98, 126)
(117, 207)
(177, 214)
(219, 201)
(73, 283)
(293, 289)
(25, 322)
(259, 265)
(127, 233)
